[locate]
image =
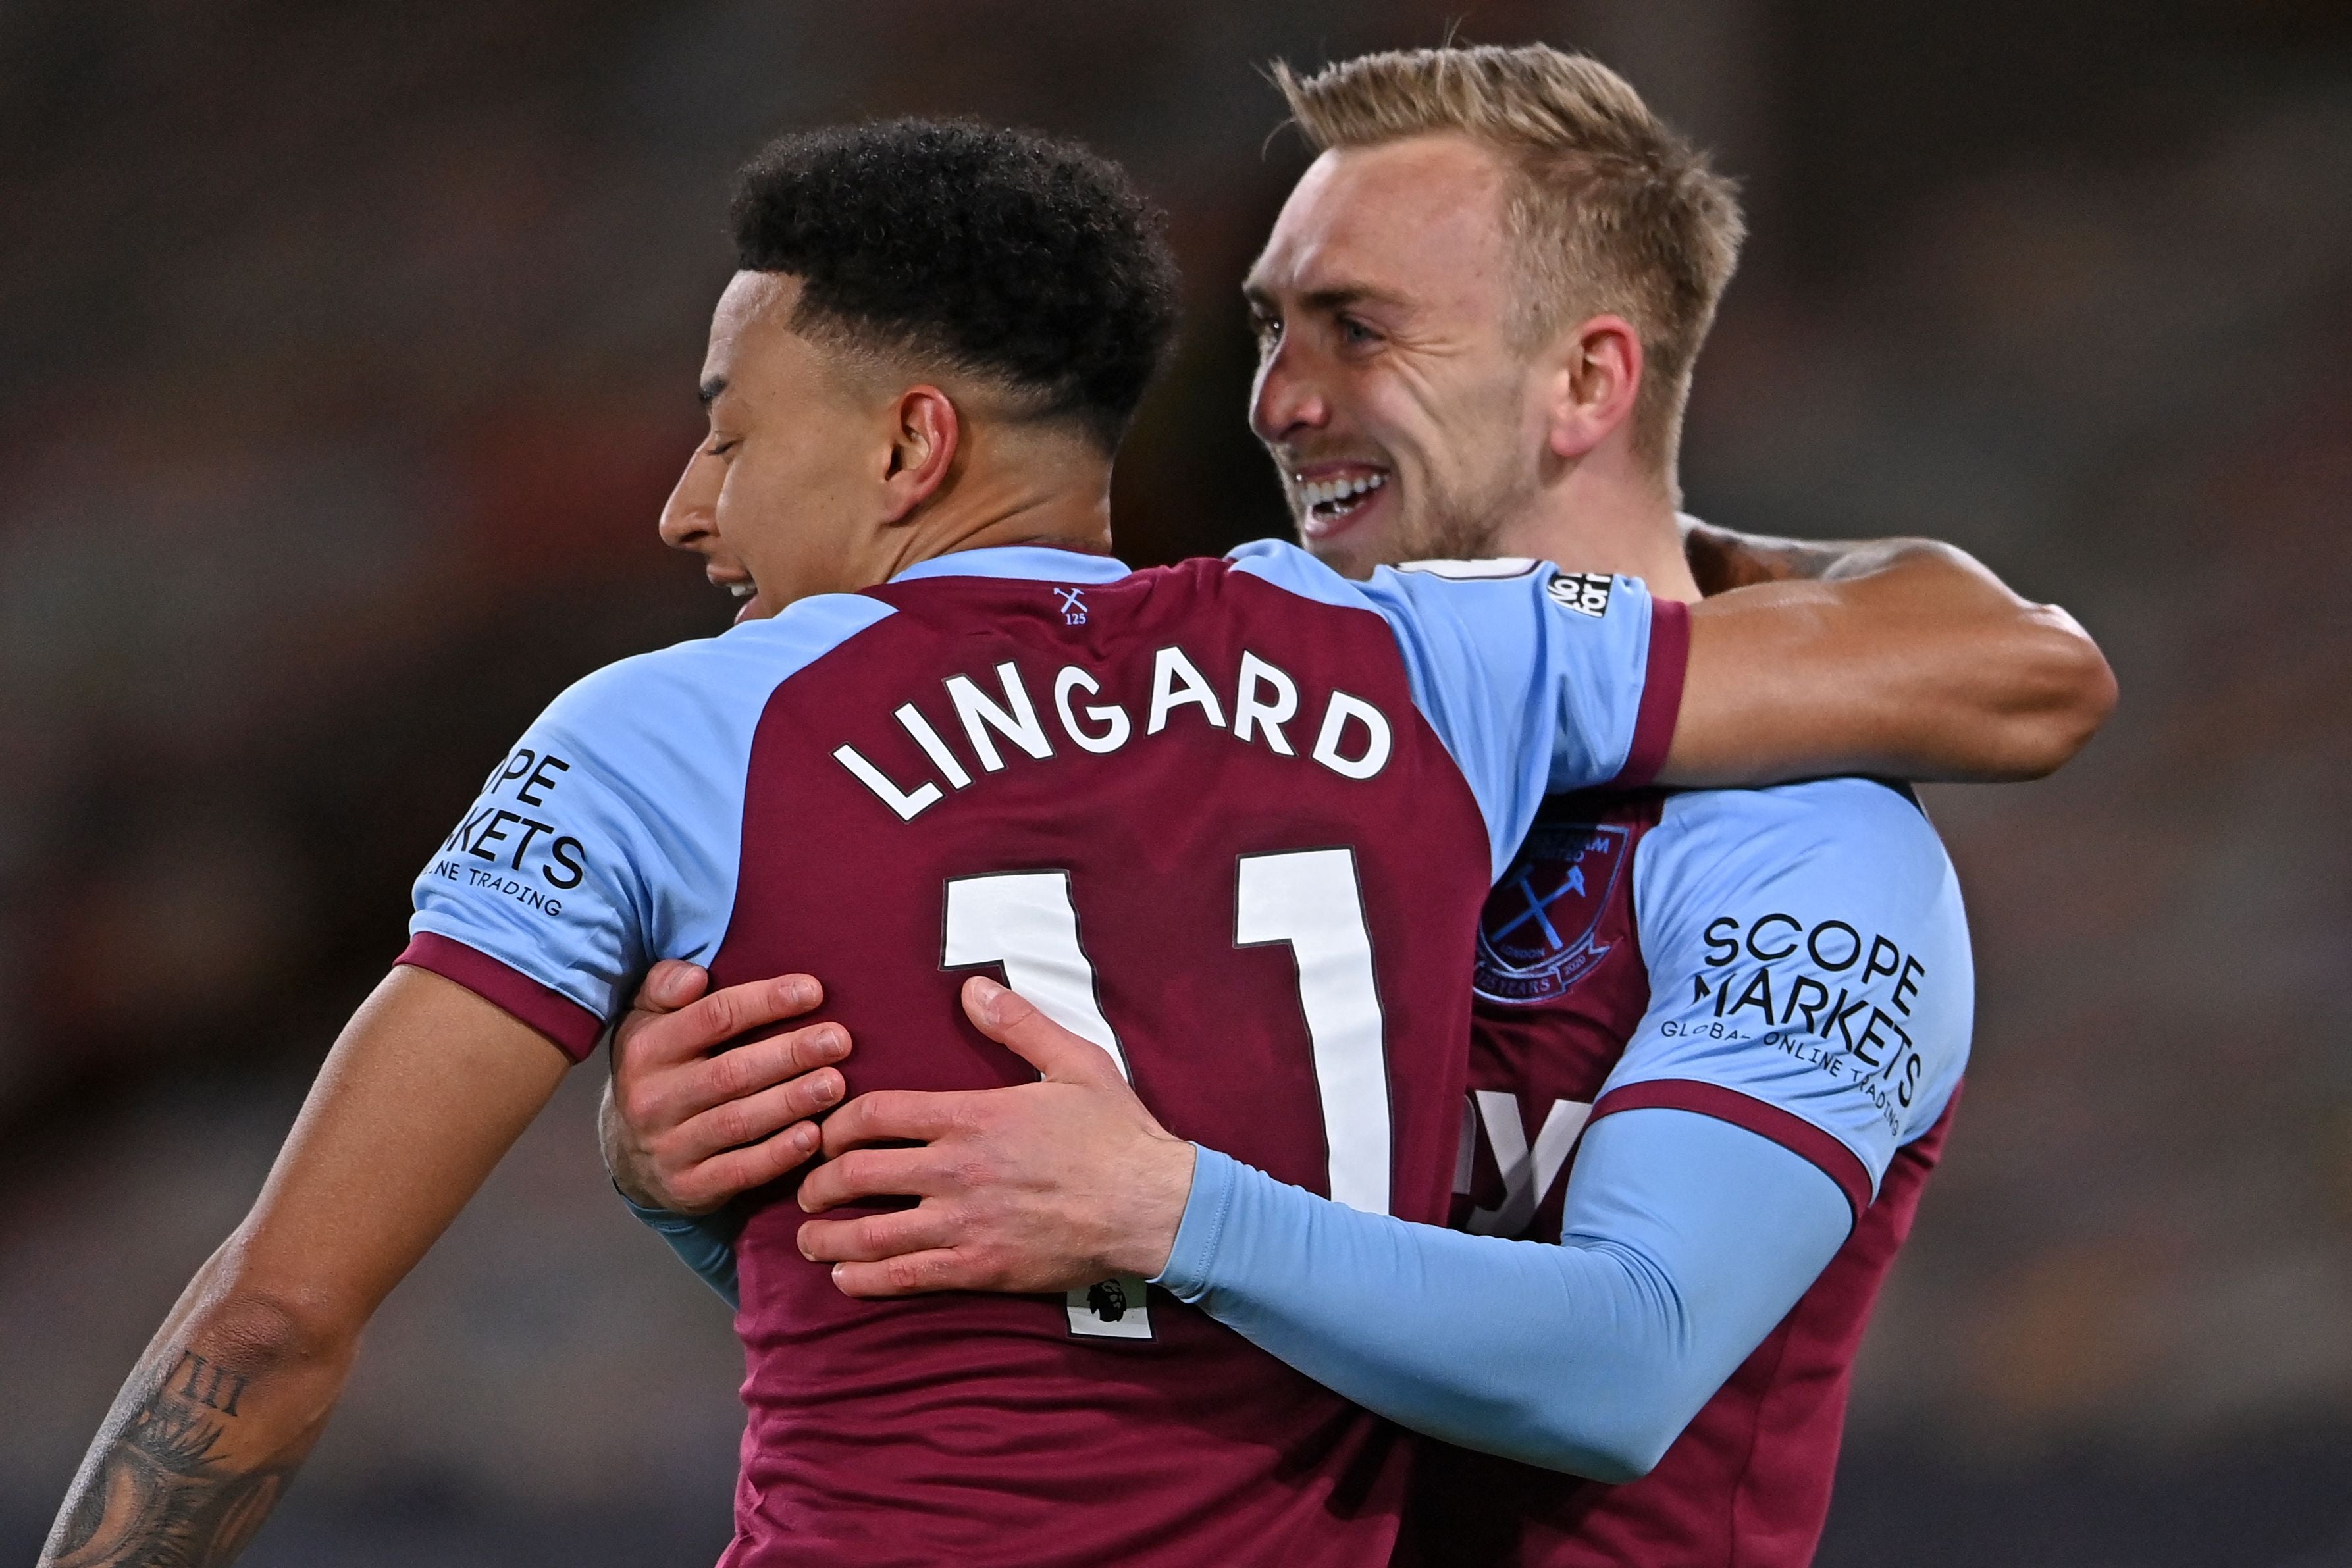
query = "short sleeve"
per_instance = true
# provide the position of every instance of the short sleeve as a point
(611, 836)
(1539, 682)
(538, 898)
(1809, 972)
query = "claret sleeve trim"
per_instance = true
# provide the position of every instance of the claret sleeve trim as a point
(1792, 1132)
(1667, 664)
(572, 1028)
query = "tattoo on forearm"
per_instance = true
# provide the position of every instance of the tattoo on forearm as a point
(213, 1380)
(160, 1490)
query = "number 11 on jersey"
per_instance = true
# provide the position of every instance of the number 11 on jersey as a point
(1309, 899)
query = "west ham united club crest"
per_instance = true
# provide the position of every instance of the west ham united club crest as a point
(1535, 939)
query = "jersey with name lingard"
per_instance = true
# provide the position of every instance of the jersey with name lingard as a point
(1232, 820)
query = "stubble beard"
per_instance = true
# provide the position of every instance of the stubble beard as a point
(1461, 523)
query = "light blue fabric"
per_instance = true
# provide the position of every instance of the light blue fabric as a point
(1807, 947)
(1685, 1240)
(1532, 677)
(1021, 563)
(611, 836)
(704, 1243)
(1532, 680)
(1684, 1237)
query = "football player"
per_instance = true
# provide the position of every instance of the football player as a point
(1479, 313)
(1247, 799)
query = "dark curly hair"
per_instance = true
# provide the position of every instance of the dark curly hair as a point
(1003, 253)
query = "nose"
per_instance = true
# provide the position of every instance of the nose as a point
(1287, 399)
(690, 517)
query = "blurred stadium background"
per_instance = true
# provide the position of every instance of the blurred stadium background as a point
(346, 353)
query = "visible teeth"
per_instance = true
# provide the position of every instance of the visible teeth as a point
(743, 590)
(1323, 492)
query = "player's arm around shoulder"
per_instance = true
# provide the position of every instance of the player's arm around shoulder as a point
(1808, 953)
(1905, 658)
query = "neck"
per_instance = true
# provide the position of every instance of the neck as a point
(1606, 513)
(1010, 491)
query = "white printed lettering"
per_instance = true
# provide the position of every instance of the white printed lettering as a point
(1018, 723)
(1309, 900)
(905, 803)
(1354, 740)
(1112, 717)
(911, 719)
(1174, 683)
(1250, 711)
(1375, 754)
(1528, 1175)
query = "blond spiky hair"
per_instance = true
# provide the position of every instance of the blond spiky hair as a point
(1610, 211)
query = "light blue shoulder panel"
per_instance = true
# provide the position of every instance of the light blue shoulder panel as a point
(1807, 947)
(611, 836)
(1533, 678)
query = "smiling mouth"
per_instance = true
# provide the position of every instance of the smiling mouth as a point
(1330, 502)
(743, 590)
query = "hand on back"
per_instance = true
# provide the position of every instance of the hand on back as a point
(690, 1121)
(1031, 1188)
(1038, 1187)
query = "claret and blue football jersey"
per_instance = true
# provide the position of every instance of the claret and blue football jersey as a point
(1794, 961)
(1718, 1038)
(1232, 820)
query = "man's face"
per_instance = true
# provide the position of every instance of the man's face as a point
(775, 500)
(1404, 421)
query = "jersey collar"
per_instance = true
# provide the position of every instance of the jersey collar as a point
(1036, 562)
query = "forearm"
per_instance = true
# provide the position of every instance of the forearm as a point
(1722, 559)
(206, 1433)
(1903, 659)
(427, 1086)
(1589, 1357)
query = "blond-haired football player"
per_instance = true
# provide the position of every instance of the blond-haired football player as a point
(1691, 1140)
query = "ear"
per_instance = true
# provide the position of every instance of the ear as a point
(926, 435)
(1598, 378)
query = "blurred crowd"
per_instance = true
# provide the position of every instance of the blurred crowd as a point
(346, 356)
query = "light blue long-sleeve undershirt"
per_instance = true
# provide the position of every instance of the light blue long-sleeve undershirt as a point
(1686, 1240)
(704, 1243)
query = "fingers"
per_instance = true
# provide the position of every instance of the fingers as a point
(872, 1173)
(894, 1116)
(1013, 1021)
(656, 1098)
(752, 1116)
(738, 1010)
(875, 1236)
(669, 986)
(725, 1176)
(651, 1038)
(764, 1064)
(913, 1274)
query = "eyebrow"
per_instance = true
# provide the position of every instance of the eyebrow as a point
(1338, 297)
(712, 389)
